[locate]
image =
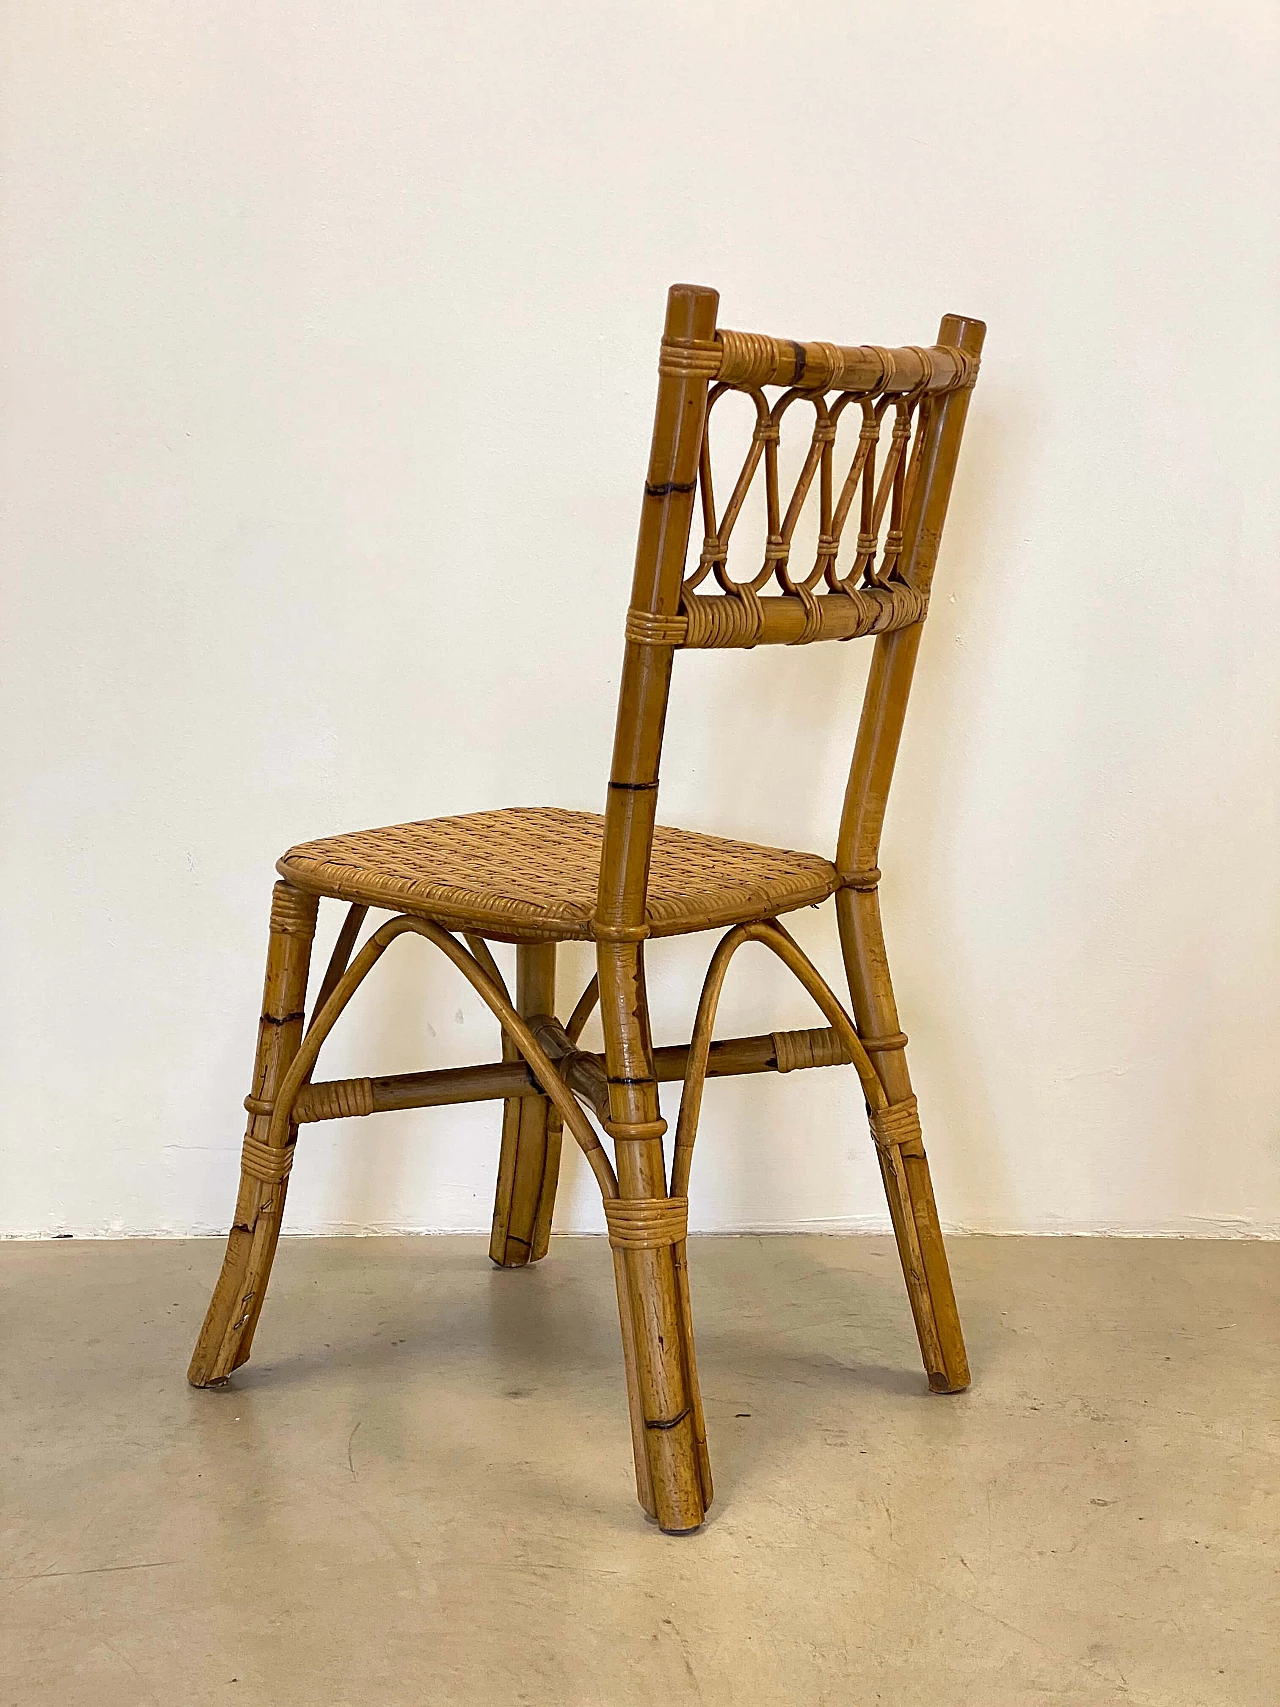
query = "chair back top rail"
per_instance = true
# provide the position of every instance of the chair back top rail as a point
(754, 358)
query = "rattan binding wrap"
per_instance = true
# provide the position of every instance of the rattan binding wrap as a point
(822, 1047)
(646, 1223)
(754, 358)
(262, 1162)
(897, 1125)
(338, 1099)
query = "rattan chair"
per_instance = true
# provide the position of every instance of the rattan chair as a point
(535, 877)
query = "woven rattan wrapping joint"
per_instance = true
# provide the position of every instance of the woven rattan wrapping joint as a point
(966, 366)
(865, 880)
(747, 357)
(731, 620)
(293, 911)
(262, 1162)
(820, 1047)
(337, 1099)
(754, 358)
(646, 629)
(699, 360)
(722, 620)
(897, 1124)
(827, 373)
(900, 606)
(646, 1223)
(812, 629)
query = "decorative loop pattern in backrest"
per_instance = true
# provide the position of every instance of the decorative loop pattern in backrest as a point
(875, 479)
(863, 496)
(874, 589)
(884, 429)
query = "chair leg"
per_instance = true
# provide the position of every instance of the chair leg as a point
(647, 1232)
(668, 1429)
(529, 1166)
(227, 1335)
(903, 1165)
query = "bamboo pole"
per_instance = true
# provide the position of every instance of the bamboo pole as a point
(908, 1186)
(226, 1338)
(672, 1472)
(529, 1164)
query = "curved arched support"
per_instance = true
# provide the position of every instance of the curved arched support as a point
(894, 1127)
(267, 1157)
(784, 945)
(586, 1005)
(494, 997)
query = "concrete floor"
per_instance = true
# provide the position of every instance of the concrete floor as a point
(420, 1489)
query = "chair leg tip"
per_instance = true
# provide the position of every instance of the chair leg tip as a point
(939, 1382)
(194, 1379)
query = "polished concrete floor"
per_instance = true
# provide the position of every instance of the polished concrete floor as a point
(420, 1491)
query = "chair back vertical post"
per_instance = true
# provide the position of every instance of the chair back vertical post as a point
(893, 663)
(688, 353)
(884, 709)
(673, 1476)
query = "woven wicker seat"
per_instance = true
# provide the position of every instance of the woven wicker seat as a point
(531, 873)
(884, 429)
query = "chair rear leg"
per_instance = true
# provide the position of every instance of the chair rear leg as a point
(903, 1164)
(227, 1335)
(529, 1166)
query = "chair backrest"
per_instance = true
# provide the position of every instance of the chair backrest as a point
(879, 497)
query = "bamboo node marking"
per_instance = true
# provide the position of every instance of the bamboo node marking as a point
(885, 1045)
(618, 933)
(635, 1131)
(646, 1223)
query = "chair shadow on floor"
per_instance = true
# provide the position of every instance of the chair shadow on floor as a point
(843, 1363)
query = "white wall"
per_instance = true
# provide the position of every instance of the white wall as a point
(333, 334)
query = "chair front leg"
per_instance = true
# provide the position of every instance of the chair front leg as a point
(903, 1164)
(227, 1335)
(529, 1165)
(647, 1230)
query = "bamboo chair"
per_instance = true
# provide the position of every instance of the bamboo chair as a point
(535, 877)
